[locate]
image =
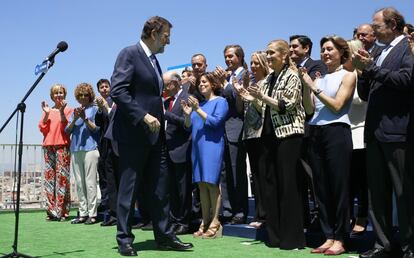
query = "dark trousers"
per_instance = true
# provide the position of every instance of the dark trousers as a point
(254, 149)
(143, 167)
(181, 188)
(103, 181)
(358, 184)
(282, 194)
(330, 148)
(113, 177)
(234, 180)
(387, 174)
(408, 184)
(305, 178)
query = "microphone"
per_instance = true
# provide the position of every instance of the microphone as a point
(61, 47)
(50, 59)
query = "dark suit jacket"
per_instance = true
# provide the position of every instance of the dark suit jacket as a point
(389, 91)
(178, 139)
(376, 51)
(313, 66)
(102, 120)
(234, 122)
(135, 91)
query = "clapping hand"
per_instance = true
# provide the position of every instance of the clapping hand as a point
(361, 59)
(186, 107)
(79, 112)
(63, 104)
(193, 102)
(241, 91)
(45, 107)
(411, 38)
(102, 103)
(304, 77)
(221, 74)
(192, 80)
(255, 91)
(82, 114)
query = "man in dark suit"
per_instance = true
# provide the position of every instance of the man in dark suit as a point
(300, 51)
(138, 128)
(179, 162)
(108, 161)
(233, 180)
(199, 65)
(365, 33)
(388, 86)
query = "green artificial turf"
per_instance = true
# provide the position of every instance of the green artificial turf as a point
(40, 238)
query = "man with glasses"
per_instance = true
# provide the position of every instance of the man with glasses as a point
(179, 162)
(388, 86)
(365, 33)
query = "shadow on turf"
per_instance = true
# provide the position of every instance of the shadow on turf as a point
(62, 253)
(148, 245)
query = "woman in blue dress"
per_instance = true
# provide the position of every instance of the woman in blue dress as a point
(206, 120)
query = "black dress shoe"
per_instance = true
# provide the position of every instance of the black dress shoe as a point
(147, 226)
(409, 254)
(110, 222)
(376, 253)
(138, 225)
(127, 250)
(181, 230)
(175, 244)
(238, 220)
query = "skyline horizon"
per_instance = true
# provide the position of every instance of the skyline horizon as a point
(96, 31)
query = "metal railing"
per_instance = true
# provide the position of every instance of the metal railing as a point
(32, 187)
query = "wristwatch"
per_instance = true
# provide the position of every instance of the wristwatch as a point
(317, 92)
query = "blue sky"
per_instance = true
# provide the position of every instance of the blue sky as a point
(97, 30)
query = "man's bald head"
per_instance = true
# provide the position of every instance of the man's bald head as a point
(365, 33)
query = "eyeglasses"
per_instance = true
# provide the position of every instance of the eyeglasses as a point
(83, 95)
(377, 26)
(362, 34)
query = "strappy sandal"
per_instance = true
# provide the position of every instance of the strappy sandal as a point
(213, 232)
(199, 233)
(90, 221)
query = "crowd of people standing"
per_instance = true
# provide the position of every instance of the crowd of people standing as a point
(171, 143)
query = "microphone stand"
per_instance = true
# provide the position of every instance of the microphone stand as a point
(22, 108)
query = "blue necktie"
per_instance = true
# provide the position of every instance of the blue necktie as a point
(158, 71)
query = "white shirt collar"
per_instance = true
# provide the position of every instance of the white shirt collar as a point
(177, 94)
(396, 40)
(145, 48)
(302, 64)
(238, 71)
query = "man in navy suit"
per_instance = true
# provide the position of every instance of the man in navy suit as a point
(233, 179)
(179, 162)
(365, 33)
(300, 51)
(388, 86)
(138, 128)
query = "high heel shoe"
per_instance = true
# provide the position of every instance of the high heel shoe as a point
(213, 232)
(361, 222)
(323, 248)
(199, 233)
